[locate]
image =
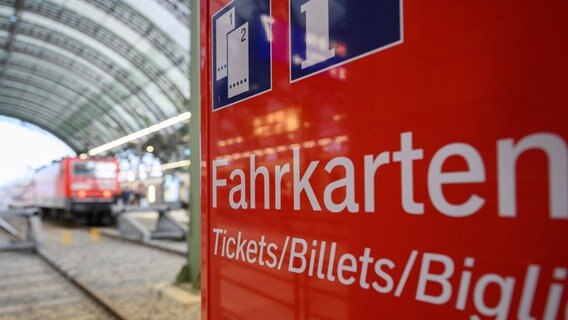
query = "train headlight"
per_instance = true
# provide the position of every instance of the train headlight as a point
(82, 194)
(107, 194)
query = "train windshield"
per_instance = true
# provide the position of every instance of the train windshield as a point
(101, 170)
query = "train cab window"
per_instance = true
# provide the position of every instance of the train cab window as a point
(105, 170)
(101, 170)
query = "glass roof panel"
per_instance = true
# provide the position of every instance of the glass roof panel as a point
(152, 53)
(147, 117)
(161, 99)
(77, 36)
(180, 79)
(63, 133)
(90, 11)
(126, 116)
(134, 74)
(64, 79)
(122, 30)
(12, 86)
(31, 109)
(164, 20)
(49, 47)
(7, 11)
(102, 77)
(94, 70)
(78, 96)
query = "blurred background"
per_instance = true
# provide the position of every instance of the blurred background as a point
(94, 134)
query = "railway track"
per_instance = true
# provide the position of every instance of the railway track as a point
(30, 288)
(118, 279)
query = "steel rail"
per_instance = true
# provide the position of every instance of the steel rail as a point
(100, 299)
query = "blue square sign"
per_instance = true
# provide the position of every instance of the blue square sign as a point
(241, 51)
(328, 33)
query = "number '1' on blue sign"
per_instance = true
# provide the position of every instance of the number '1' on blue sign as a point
(328, 33)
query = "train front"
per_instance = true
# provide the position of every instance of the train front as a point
(92, 187)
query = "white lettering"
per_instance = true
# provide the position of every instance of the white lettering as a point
(280, 171)
(365, 261)
(555, 294)
(389, 282)
(217, 182)
(441, 279)
(240, 189)
(348, 183)
(303, 183)
(371, 166)
(406, 157)
(314, 182)
(342, 266)
(529, 288)
(254, 172)
(301, 255)
(506, 285)
(437, 178)
(557, 154)
(217, 232)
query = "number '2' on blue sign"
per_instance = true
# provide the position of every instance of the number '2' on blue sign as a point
(241, 52)
(328, 33)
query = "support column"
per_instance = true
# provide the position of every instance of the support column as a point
(194, 245)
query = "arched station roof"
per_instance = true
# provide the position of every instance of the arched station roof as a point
(92, 71)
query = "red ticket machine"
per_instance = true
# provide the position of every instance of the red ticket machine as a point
(384, 159)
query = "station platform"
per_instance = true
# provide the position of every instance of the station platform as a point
(135, 280)
(148, 222)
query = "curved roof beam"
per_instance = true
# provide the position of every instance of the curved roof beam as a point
(56, 79)
(124, 47)
(114, 119)
(14, 93)
(29, 112)
(120, 65)
(11, 28)
(84, 112)
(76, 49)
(142, 25)
(152, 73)
(27, 109)
(80, 76)
(59, 82)
(180, 9)
(56, 93)
(82, 72)
(124, 14)
(42, 125)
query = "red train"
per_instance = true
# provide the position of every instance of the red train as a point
(74, 189)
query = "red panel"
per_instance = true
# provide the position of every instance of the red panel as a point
(468, 72)
(66, 178)
(204, 98)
